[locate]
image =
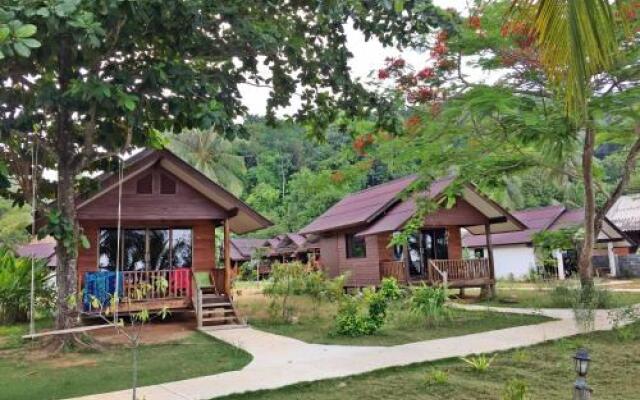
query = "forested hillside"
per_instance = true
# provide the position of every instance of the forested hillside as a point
(292, 178)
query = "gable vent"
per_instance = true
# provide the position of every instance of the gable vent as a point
(145, 185)
(167, 185)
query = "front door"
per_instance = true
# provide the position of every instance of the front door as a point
(435, 244)
(429, 244)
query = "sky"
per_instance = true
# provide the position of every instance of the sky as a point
(368, 56)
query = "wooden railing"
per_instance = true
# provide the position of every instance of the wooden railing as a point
(395, 269)
(459, 270)
(161, 284)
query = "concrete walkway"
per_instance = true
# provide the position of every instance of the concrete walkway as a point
(279, 361)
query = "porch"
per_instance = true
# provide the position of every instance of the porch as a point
(454, 273)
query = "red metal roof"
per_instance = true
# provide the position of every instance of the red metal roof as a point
(40, 250)
(243, 248)
(360, 207)
(396, 217)
(536, 219)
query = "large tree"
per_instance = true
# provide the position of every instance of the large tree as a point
(101, 76)
(546, 114)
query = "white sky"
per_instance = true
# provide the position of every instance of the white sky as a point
(367, 57)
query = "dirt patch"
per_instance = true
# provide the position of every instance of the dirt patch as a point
(67, 362)
(175, 327)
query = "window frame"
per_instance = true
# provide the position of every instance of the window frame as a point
(147, 255)
(350, 240)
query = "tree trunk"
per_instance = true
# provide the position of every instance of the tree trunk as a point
(66, 270)
(584, 263)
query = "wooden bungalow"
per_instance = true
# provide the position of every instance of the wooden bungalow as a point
(516, 256)
(355, 236)
(297, 247)
(168, 215)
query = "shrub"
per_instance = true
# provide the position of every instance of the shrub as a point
(479, 363)
(390, 290)
(320, 288)
(352, 320)
(430, 302)
(15, 287)
(286, 280)
(437, 377)
(515, 389)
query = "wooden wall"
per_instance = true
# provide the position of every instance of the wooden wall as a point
(204, 257)
(461, 214)
(186, 203)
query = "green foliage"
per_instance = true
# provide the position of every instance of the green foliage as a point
(15, 287)
(285, 280)
(352, 319)
(479, 364)
(13, 223)
(389, 289)
(429, 302)
(212, 155)
(437, 377)
(515, 389)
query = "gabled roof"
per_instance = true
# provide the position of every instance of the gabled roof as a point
(359, 208)
(242, 248)
(625, 213)
(397, 216)
(44, 249)
(553, 217)
(295, 242)
(243, 219)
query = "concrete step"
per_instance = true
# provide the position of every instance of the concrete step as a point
(216, 305)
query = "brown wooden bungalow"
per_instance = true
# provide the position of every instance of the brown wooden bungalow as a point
(355, 234)
(297, 247)
(169, 212)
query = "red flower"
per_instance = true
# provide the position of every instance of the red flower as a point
(383, 73)
(425, 73)
(398, 63)
(412, 121)
(474, 22)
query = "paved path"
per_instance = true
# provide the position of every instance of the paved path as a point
(279, 361)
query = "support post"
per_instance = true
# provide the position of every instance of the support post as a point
(492, 270)
(613, 260)
(227, 258)
(560, 263)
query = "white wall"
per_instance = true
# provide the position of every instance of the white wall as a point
(513, 259)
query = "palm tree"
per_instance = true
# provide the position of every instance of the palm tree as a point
(577, 40)
(212, 155)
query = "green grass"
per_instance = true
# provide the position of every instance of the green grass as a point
(547, 370)
(545, 297)
(31, 374)
(401, 326)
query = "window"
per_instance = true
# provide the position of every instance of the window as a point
(479, 253)
(398, 249)
(159, 249)
(145, 185)
(167, 185)
(134, 250)
(151, 249)
(181, 248)
(356, 246)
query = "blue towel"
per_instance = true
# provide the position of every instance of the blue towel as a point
(100, 285)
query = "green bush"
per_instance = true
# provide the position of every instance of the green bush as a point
(437, 377)
(352, 320)
(430, 302)
(286, 280)
(15, 287)
(390, 289)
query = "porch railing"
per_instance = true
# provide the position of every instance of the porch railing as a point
(161, 284)
(459, 270)
(393, 269)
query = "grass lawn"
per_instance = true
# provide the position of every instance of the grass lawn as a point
(401, 325)
(30, 374)
(546, 369)
(547, 297)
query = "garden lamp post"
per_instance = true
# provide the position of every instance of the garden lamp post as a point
(581, 391)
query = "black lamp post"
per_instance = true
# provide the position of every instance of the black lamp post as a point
(582, 391)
